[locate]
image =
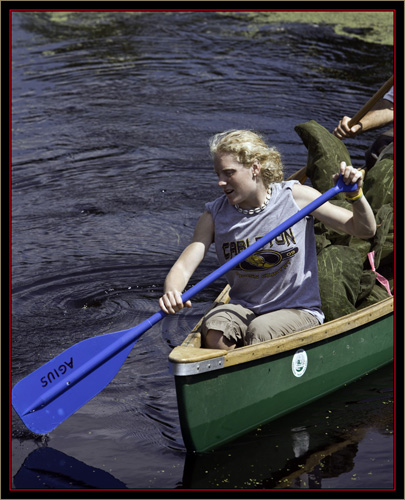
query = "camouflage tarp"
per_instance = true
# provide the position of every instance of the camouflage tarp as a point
(340, 269)
(346, 281)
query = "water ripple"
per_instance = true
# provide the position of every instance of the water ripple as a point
(111, 116)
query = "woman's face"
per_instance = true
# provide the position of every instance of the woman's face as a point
(240, 184)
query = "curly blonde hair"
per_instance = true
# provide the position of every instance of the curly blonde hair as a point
(248, 146)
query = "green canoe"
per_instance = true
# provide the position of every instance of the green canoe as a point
(222, 395)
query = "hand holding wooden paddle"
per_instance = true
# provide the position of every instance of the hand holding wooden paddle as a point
(300, 175)
(350, 127)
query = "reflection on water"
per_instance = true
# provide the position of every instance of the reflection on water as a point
(46, 468)
(309, 448)
(111, 114)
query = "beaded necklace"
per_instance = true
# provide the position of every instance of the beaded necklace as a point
(257, 210)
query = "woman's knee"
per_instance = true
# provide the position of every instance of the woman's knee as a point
(278, 324)
(258, 331)
(215, 339)
(225, 325)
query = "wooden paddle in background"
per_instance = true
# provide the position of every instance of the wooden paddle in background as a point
(369, 104)
(301, 174)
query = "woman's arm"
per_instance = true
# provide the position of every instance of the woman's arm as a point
(186, 264)
(360, 222)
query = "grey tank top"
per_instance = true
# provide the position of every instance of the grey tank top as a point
(281, 275)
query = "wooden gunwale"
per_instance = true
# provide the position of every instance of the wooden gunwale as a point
(190, 350)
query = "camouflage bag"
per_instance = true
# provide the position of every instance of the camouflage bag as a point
(339, 269)
(346, 281)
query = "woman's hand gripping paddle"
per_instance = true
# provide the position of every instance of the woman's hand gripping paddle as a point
(52, 393)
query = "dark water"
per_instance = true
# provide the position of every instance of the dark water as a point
(111, 113)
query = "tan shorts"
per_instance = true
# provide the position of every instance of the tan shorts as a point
(244, 327)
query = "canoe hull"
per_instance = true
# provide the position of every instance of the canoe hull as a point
(217, 406)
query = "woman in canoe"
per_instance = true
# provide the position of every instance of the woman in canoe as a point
(275, 291)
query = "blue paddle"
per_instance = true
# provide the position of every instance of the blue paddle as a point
(53, 392)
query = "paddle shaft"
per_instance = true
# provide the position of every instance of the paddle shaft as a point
(369, 104)
(228, 266)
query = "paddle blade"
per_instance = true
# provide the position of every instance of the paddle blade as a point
(52, 393)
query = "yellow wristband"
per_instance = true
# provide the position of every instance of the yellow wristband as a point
(352, 199)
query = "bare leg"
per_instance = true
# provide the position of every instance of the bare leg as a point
(215, 340)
